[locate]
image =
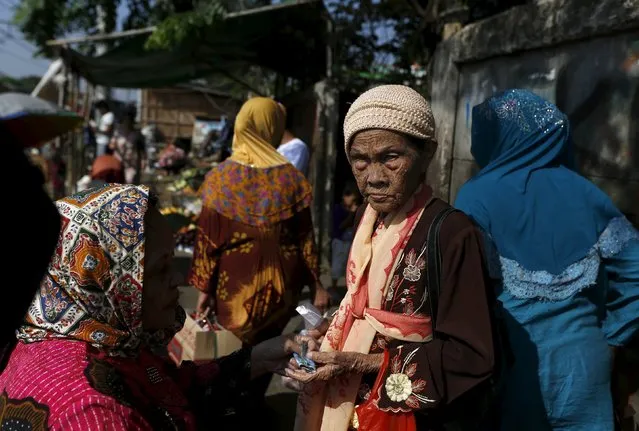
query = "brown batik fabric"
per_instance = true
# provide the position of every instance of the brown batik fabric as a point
(254, 249)
(255, 272)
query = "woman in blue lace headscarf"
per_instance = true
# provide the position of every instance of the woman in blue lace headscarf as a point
(568, 261)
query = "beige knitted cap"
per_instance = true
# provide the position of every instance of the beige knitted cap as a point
(390, 107)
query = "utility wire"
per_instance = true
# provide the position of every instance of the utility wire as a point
(13, 54)
(19, 42)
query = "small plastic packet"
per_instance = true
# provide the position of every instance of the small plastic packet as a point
(311, 315)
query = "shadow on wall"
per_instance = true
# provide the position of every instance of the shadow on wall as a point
(605, 125)
(633, 130)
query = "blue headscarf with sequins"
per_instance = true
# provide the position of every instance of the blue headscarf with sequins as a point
(537, 210)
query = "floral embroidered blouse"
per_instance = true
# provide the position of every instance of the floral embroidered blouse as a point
(428, 378)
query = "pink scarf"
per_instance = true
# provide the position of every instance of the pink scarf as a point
(328, 406)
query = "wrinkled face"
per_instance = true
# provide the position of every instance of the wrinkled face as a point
(388, 167)
(160, 293)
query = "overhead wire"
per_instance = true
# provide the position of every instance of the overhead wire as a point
(13, 54)
(18, 42)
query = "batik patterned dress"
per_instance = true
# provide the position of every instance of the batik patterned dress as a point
(255, 249)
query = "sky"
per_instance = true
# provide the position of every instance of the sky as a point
(16, 54)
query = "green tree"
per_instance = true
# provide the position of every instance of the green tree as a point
(24, 84)
(374, 41)
(386, 40)
(378, 42)
(43, 20)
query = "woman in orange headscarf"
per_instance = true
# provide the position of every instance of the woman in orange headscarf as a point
(107, 168)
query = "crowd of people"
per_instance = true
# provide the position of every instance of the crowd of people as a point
(119, 153)
(504, 311)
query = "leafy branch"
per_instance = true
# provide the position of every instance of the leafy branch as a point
(179, 27)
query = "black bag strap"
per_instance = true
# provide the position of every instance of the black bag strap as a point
(434, 257)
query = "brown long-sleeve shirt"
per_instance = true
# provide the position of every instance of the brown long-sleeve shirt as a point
(434, 377)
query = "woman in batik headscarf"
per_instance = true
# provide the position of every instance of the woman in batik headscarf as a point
(395, 358)
(255, 249)
(91, 352)
(568, 260)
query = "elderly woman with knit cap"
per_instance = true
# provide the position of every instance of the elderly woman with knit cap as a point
(412, 341)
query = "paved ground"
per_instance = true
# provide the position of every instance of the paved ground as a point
(280, 401)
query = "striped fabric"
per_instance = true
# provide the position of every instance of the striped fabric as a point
(47, 380)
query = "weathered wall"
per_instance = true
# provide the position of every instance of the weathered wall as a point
(569, 51)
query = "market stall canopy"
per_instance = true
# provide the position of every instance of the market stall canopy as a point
(289, 38)
(33, 121)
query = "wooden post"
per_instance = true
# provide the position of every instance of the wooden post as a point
(177, 116)
(323, 161)
(144, 111)
(76, 140)
(63, 94)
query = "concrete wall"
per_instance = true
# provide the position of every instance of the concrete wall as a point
(570, 51)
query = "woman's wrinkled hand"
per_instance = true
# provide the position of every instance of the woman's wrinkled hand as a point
(272, 356)
(291, 383)
(331, 365)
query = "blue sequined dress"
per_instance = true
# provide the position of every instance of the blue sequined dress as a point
(560, 328)
(568, 260)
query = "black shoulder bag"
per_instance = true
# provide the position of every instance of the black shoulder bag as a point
(483, 398)
(434, 257)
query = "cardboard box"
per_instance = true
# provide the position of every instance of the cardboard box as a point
(199, 344)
